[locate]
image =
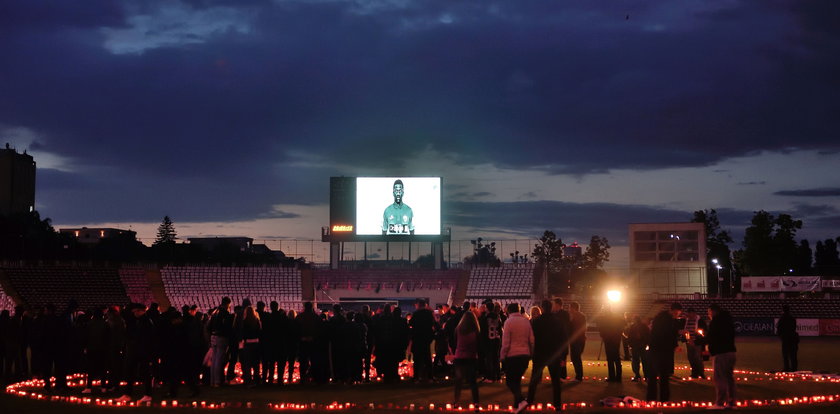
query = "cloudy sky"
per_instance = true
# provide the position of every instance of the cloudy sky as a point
(578, 116)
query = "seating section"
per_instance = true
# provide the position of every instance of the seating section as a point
(205, 286)
(771, 308)
(88, 286)
(390, 280)
(507, 282)
(6, 302)
(136, 285)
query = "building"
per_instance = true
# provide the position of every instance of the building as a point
(94, 235)
(668, 258)
(244, 244)
(17, 182)
(573, 250)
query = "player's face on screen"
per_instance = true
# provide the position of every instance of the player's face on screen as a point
(398, 193)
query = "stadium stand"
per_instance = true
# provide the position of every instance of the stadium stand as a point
(392, 280)
(513, 283)
(88, 286)
(136, 284)
(771, 308)
(205, 286)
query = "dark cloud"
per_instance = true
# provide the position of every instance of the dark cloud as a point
(570, 220)
(473, 195)
(810, 210)
(753, 183)
(215, 116)
(811, 192)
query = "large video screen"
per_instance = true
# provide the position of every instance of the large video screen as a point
(393, 206)
(385, 208)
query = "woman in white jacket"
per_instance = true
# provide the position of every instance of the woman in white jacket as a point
(517, 348)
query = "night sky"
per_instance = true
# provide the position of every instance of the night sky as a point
(577, 116)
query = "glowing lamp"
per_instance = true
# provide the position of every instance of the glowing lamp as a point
(614, 296)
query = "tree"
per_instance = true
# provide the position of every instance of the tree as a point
(803, 265)
(717, 245)
(597, 253)
(548, 255)
(769, 246)
(827, 258)
(166, 233)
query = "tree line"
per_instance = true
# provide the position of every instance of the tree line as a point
(26, 237)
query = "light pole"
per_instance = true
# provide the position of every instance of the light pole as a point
(719, 279)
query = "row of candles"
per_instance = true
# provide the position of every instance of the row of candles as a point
(24, 389)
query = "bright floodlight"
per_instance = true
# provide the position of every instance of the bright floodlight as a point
(614, 296)
(715, 261)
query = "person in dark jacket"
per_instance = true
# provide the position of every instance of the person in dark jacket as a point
(422, 327)
(271, 342)
(249, 346)
(786, 330)
(577, 338)
(550, 338)
(491, 340)
(139, 352)
(290, 332)
(721, 340)
(638, 337)
(96, 349)
(309, 325)
(116, 347)
(611, 326)
(663, 342)
(195, 348)
(339, 345)
(221, 336)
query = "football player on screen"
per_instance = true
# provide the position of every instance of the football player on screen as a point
(398, 217)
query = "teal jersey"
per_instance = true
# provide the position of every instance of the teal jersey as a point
(398, 219)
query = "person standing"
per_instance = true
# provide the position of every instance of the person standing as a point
(96, 350)
(694, 342)
(550, 338)
(625, 343)
(577, 339)
(517, 348)
(786, 330)
(611, 326)
(466, 356)
(422, 326)
(663, 342)
(721, 339)
(139, 352)
(566, 321)
(221, 333)
(309, 329)
(638, 336)
(250, 330)
(491, 340)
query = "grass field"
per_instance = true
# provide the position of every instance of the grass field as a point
(754, 354)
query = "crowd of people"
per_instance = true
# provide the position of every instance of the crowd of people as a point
(118, 347)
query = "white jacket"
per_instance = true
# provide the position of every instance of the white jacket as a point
(517, 337)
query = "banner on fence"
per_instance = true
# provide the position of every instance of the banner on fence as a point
(754, 326)
(808, 327)
(761, 284)
(831, 283)
(780, 283)
(829, 327)
(800, 283)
